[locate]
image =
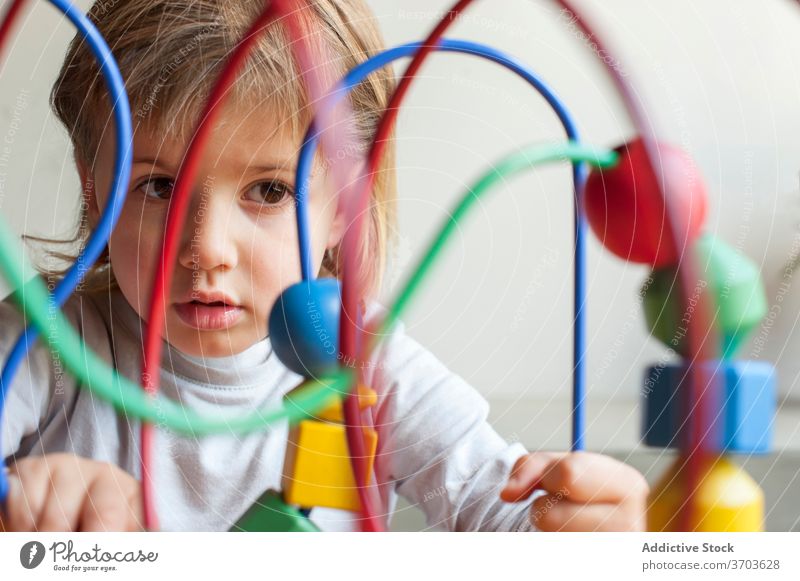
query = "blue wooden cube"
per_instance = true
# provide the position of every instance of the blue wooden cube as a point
(742, 422)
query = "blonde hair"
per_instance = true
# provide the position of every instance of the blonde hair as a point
(170, 53)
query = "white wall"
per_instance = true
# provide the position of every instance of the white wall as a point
(38, 183)
(720, 78)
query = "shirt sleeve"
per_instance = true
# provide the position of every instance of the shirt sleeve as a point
(436, 446)
(28, 396)
(43, 392)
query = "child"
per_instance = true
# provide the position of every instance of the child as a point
(73, 460)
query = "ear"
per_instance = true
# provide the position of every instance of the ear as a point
(88, 189)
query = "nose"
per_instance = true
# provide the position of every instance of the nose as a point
(209, 234)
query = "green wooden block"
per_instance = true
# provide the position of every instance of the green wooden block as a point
(736, 287)
(269, 514)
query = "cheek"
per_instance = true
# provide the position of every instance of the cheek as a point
(133, 254)
(274, 260)
(275, 252)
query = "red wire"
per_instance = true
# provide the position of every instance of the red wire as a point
(699, 349)
(176, 217)
(9, 19)
(702, 336)
(351, 293)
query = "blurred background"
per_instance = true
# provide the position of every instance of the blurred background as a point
(720, 78)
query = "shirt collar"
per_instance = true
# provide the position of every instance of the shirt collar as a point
(250, 368)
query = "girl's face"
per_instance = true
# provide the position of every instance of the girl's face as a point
(238, 248)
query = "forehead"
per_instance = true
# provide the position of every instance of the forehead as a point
(240, 138)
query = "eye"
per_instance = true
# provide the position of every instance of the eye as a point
(159, 188)
(270, 193)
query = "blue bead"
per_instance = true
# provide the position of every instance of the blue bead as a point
(304, 326)
(745, 407)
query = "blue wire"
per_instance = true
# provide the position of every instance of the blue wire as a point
(579, 175)
(99, 238)
(358, 74)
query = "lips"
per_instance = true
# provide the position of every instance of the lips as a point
(209, 311)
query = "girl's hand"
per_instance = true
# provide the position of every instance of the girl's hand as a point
(64, 492)
(586, 492)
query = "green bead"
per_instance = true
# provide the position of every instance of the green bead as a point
(269, 514)
(660, 312)
(735, 283)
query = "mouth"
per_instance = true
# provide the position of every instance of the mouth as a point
(208, 315)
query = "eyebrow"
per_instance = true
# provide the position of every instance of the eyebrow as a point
(288, 167)
(151, 161)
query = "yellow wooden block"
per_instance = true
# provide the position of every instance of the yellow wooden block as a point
(367, 397)
(727, 500)
(316, 470)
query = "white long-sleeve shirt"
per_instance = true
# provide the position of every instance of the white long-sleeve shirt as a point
(435, 446)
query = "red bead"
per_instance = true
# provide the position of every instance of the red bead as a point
(626, 211)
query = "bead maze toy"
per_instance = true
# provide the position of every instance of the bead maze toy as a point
(644, 201)
(739, 416)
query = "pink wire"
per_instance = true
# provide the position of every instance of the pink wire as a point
(352, 288)
(701, 348)
(181, 197)
(703, 340)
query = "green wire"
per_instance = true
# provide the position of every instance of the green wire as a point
(128, 397)
(515, 163)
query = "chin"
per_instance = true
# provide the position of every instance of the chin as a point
(218, 343)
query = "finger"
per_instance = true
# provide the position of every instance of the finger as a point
(589, 477)
(136, 504)
(106, 507)
(26, 495)
(554, 513)
(526, 475)
(65, 496)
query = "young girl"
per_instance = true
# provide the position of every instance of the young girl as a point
(74, 461)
